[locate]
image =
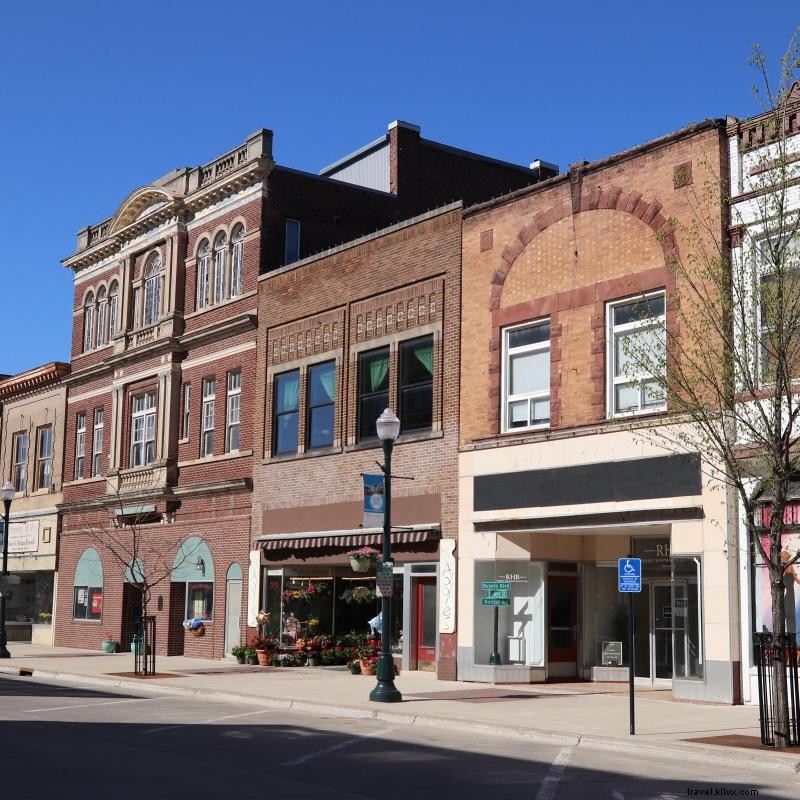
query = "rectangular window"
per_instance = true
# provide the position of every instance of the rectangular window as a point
(233, 411)
(292, 249)
(687, 616)
(416, 385)
(199, 600)
(97, 442)
(321, 403)
(285, 417)
(44, 457)
(373, 390)
(526, 376)
(187, 405)
(207, 432)
(143, 430)
(88, 602)
(80, 444)
(636, 356)
(20, 445)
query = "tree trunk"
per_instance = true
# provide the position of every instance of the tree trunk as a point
(780, 693)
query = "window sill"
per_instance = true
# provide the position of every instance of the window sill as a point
(403, 438)
(40, 492)
(87, 621)
(82, 481)
(322, 451)
(625, 415)
(211, 459)
(528, 429)
(211, 306)
(183, 441)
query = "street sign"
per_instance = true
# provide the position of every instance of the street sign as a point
(630, 574)
(384, 579)
(490, 585)
(10, 580)
(495, 601)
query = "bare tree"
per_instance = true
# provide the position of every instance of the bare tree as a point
(730, 368)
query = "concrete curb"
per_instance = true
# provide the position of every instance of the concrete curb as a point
(728, 756)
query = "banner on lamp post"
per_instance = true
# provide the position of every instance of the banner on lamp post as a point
(374, 501)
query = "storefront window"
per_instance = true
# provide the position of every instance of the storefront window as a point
(790, 544)
(199, 600)
(520, 623)
(88, 602)
(606, 617)
(687, 616)
(88, 586)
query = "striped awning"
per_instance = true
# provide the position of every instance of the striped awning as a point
(349, 539)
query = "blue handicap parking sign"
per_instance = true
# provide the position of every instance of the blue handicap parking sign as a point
(630, 574)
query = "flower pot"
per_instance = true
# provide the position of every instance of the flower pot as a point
(252, 660)
(240, 659)
(355, 668)
(263, 658)
(360, 563)
(109, 646)
(366, 667)
(201, 631)
(313, 659)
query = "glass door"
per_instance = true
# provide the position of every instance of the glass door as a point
(653, 632)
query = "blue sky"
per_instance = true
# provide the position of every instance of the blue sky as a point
(98, 98)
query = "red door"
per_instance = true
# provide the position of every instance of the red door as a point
(562, 618)
(426, 623)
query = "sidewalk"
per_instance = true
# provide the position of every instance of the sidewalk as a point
(572, 713)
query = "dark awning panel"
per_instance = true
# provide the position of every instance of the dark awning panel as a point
(345, 540)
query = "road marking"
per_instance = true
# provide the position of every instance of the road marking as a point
(206, 721)
(86, 705)
(334, 747)
(547, 791)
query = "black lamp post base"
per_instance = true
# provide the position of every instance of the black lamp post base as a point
(4, 652)
(385, 692)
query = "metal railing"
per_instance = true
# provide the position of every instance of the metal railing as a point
(144, 646)
(773, 654)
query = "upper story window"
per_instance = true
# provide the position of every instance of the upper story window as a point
(113, 309)
(209, 399)
(291, 250)
(19, 467)
(88, 322)
(203, 274)
(321, 404)
(636, 346)
(80, 444)
(526, 376)
(286, 420)
(97, 441)
(416, 384)
(220, 267)
(233, 409)
(102, 316)
(187, 406)
(237, 261)
(152, 290)
(44, 457)
(373, 389)
(143, 429)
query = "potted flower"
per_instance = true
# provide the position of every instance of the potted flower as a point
(240, 653)
(358, 594)
(263, 646)
(194, 626)
(109, 644)
(363, 558)
(368, 654)
(251, 657)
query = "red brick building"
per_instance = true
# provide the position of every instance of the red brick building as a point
(160, 439)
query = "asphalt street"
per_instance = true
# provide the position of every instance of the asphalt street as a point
(84, 743)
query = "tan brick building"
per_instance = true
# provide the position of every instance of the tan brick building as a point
(31, 457)
(558, 478)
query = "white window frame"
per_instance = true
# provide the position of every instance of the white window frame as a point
(113, 300)
(233, 409)
(80, 444)
(508, 398)
(102, 316)
(611, 381)
(88, 323)
(97, 440)
(220, 267)
(237, 261)
(19, 468)
(143, 430)
(207, 417)
(152, 290)
(203, 274)
(44, 460)
(187, 408)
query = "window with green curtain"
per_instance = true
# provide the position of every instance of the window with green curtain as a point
(416, 384)
(286, 404)
(321, 404)
(373, 385)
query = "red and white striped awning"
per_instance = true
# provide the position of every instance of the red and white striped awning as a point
(358, 537)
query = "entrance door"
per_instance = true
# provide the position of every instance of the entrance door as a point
(233, 613)
(562, 624)
(653, 633)
(426, 623)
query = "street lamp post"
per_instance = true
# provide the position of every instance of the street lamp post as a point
(388, 427)
(7, 492)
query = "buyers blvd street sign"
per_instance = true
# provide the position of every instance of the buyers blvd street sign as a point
(496, 593)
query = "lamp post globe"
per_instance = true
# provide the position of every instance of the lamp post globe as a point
(388, 428)
(7, 491)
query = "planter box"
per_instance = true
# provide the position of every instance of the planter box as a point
(42, 634)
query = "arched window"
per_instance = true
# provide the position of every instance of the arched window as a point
(220, 267)
(194, 566)
(152, 289)
(113, 301)
(237, 261)
(203, 273)
(102, 316)
(88, 322)
(88, 586)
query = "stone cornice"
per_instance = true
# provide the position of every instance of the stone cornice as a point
(33, 380)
